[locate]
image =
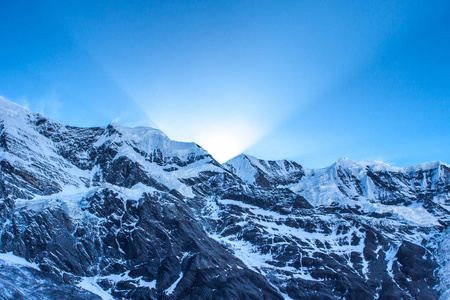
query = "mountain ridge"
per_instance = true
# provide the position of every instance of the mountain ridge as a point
(121, 213)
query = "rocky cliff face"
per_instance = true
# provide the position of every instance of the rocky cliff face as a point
(119, 213)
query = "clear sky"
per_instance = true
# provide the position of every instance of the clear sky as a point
(304, 80)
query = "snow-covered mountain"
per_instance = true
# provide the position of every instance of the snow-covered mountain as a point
(126, 213)
(369, 187)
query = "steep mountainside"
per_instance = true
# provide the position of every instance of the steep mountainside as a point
(120, 213)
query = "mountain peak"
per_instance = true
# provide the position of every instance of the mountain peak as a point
(5, 103)
(264, 172)
(12, 110)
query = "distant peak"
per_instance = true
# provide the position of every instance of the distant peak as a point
(344, 160)
(429, 165)
(238, 158)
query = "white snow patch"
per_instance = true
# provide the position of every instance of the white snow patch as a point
(390, 258)
(171, 288)
(245, 251)
(10, 259)
(90, 284)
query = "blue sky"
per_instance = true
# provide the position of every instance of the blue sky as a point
(305, 80)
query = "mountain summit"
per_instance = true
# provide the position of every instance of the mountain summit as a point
(126, 213)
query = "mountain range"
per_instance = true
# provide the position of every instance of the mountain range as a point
(127, 213)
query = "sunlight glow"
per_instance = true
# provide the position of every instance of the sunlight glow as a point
(224, 119)
(226, 141)
(223, 138)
